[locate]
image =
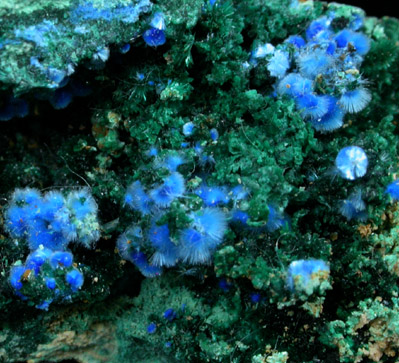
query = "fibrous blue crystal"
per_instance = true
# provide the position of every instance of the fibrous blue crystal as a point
(351, 162)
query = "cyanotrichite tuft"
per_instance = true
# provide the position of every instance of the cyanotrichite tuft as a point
(354, 207)
(351, 162)
(320, 74)
(183, 220)
(49, 223)
(52, 220)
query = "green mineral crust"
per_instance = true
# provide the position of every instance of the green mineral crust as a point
(298, 263)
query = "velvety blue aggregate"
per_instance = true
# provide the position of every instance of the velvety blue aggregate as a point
(214, 134)
(296, 40)
(137, 199)
(213, 196)
(333, 119)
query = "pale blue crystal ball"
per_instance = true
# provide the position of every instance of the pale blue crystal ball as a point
(351, 162)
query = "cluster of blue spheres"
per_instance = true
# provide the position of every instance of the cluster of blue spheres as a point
(48, 223)
(320, 71)
(205, 210)
(50, 274)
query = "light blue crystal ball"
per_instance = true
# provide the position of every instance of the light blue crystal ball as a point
(351, 162)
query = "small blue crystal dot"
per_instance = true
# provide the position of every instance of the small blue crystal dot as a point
(154, 37)
(151, 328)
(188, 128)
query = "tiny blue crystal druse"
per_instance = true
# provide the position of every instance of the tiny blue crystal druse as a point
(304, 275)
(49, 223)
(351, 162)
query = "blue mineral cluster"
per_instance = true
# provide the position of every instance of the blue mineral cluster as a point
(182, 218)
(49, 223)
(192, 236)
(320, 72)
(155, 35)
(242, 157)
